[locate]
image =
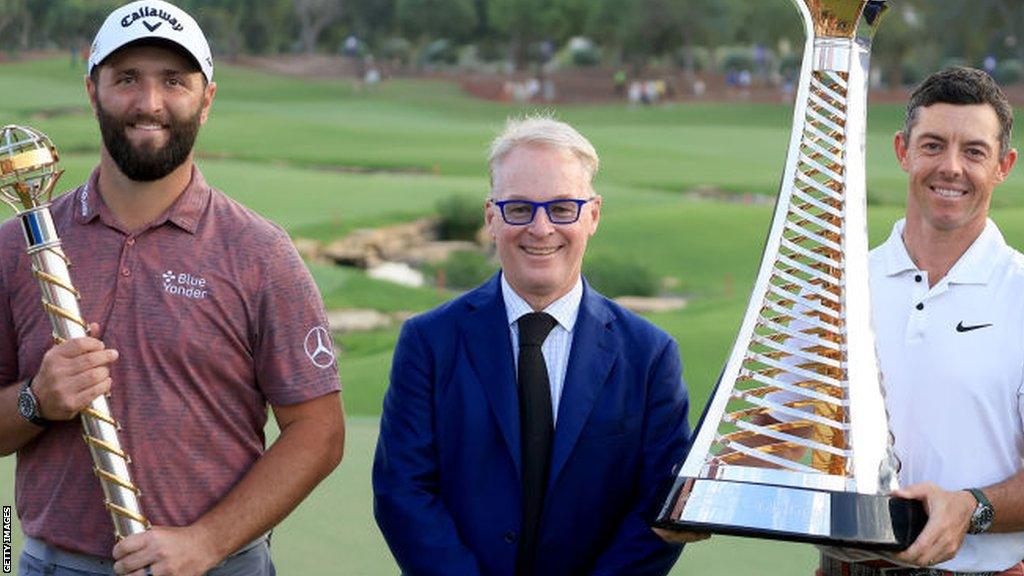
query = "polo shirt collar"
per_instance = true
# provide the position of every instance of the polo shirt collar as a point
(88, 203)
(979, 262)
(184, 212)
(564, 310)
(974, 267)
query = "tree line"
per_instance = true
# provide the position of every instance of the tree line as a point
(687, 33)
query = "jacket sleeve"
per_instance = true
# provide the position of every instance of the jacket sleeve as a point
(414, 521)
(636, 549)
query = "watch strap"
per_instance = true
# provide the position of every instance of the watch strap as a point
(980, 497)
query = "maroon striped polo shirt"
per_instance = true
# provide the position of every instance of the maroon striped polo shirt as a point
(214, 316)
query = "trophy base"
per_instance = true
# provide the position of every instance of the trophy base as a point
(844, 519)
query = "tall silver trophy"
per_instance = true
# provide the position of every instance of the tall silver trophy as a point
(794, 443)
(28, 174)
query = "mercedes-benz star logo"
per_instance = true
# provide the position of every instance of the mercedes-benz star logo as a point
(319, 348)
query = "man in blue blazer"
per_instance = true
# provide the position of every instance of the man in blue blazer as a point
(495, 459)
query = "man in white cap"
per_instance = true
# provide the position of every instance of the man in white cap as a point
(206, 315)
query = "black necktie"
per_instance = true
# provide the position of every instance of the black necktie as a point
(537, 428)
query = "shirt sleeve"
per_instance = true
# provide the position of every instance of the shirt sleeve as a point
(8, 340)
(293, 353)
(1020, 390)
(1020, 385)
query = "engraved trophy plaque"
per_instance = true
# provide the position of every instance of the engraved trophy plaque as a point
(794, 443)
(28, 174)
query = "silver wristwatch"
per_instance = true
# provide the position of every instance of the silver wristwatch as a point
(28, 405)
(983, 515)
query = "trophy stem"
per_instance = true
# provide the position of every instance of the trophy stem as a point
(100, 429)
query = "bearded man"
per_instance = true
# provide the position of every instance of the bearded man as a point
(205, 316)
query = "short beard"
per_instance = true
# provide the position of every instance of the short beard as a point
(147, 164)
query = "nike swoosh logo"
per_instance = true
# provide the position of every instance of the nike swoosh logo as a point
(961, 328)
(151, 28)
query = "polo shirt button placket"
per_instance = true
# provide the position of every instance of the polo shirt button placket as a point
(129, 243)
(916, 320)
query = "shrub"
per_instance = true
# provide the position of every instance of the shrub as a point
(913, 73)
(735, 59)
(954, 61)
(491, 50)
(699, 56)
(1009, 71)
(396, 49)
(461, 217)
(789, 66)
(440, 51)
(464, 269)
(584, 52)
(615, 277)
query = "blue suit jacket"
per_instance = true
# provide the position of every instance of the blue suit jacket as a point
(446, 478)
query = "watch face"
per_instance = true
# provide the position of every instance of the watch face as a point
(986, 517)
(27, 405)
(982, 518)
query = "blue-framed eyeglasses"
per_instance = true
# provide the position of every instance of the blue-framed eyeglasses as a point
(521, 212)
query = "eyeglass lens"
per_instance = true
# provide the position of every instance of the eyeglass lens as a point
(559, 211)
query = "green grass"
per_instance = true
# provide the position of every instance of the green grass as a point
(346, 288)
(322, 158)
(430, 126)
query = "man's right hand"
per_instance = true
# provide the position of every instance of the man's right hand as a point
(72, 375)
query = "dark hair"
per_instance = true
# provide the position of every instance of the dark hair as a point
(962, 85)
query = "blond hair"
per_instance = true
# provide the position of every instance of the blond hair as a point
(543, 130)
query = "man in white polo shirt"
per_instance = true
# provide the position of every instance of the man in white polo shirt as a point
(948, 301)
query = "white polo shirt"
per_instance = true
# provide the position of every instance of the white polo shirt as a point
(952, 359)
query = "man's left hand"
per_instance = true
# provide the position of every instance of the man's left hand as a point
(166, 551)
(949, 516)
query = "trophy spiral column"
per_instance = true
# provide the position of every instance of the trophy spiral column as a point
(28, 174)
(794, 443)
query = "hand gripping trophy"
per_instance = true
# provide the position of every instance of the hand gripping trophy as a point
(28, 174)
(794, 443)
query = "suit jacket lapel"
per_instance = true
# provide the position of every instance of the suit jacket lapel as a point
(489, 347)
(590, 361)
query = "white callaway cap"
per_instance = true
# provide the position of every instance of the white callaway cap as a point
(151, 20)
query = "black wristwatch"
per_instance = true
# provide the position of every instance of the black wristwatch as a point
(28, 405)
(983, 515)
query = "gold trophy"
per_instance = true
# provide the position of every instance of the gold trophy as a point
(28, 174)
(795, 443)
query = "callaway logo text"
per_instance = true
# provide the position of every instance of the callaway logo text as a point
(147, 12)
(185, 284)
